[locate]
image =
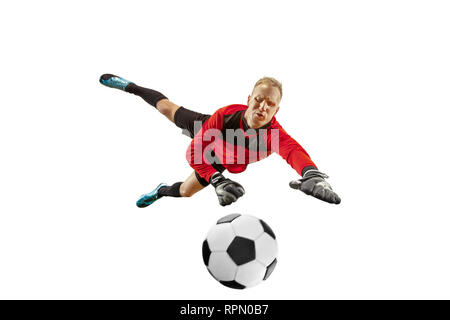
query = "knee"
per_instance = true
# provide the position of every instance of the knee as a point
(165, 107)
(185, 192)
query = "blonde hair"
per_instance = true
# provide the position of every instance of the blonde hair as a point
(272, 81)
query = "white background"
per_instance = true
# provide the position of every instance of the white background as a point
(366, 92)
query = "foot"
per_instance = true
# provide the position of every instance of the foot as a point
(147, 199)
(113, 81)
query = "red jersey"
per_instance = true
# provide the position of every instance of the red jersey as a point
(226, 139)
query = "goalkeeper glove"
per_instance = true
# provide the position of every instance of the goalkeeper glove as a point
(227, 190)
(313, 183)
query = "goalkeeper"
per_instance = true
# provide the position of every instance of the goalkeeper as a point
(230, 139)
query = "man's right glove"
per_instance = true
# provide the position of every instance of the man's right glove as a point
(313, 183)
(227, 190)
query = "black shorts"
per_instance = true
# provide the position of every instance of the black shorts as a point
(185, 119)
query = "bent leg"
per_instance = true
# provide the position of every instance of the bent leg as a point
(191, 186)
(182, 189)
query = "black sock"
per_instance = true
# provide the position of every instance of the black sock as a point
(170, 191)
(150, 96)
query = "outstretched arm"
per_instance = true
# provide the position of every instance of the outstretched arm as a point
(313, 182)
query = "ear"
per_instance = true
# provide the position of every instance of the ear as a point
(278, 108)
(248, 100)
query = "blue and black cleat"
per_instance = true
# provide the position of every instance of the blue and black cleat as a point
(113, 81)
(147, 199)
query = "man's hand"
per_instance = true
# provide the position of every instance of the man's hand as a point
(227, 190)
(313, 183)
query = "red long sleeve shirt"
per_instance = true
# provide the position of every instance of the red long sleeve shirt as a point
(226, 139)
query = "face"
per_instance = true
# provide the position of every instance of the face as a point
(262, 105)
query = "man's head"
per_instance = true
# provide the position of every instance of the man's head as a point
(264, 102)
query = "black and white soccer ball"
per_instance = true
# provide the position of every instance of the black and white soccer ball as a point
(240, 251)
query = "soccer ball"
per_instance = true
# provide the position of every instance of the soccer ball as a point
(240, 251)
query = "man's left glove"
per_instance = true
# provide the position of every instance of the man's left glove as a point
(227, 190)
(313, 183)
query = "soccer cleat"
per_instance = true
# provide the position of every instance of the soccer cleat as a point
(147, 199)
(113, 81)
